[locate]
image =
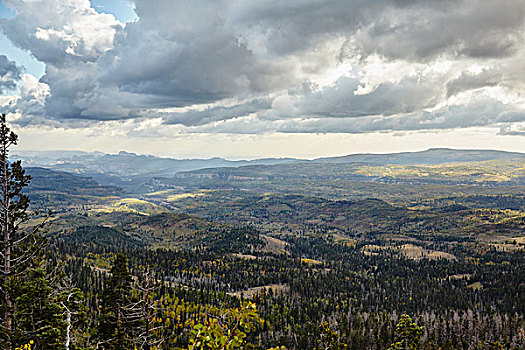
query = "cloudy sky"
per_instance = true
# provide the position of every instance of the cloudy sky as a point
(244, 78)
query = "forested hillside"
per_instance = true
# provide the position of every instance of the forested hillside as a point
(257, 259)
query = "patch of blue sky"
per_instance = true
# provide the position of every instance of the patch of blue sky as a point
(123, 10)
(6, 12)
(21, 57)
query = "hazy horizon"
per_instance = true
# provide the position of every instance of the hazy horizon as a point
(182, 157)
(243, 79)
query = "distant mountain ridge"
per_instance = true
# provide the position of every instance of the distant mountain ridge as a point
(428, 157)
(125, 169)
(126, 162)
(130, 171)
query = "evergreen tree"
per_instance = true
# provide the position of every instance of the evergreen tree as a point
(119, 318)
(38, 315)
(19, 247)
(407, 334)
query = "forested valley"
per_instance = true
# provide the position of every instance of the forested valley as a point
(239, 261)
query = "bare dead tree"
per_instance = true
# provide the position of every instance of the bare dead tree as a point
(72, 301)
(147, 286)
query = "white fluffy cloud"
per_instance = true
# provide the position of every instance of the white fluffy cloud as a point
(69, 37)
(238, 66)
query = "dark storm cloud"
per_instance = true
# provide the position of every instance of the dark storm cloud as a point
(471, 28)
(184, 53)
(469, 81)
(214, 114)
(413, 29)
(480, 112)
(407, 96)
(10, 73)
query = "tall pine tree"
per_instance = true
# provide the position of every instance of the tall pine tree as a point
(119, 318)
(29, 307)
(19, 247)
(407, 335)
